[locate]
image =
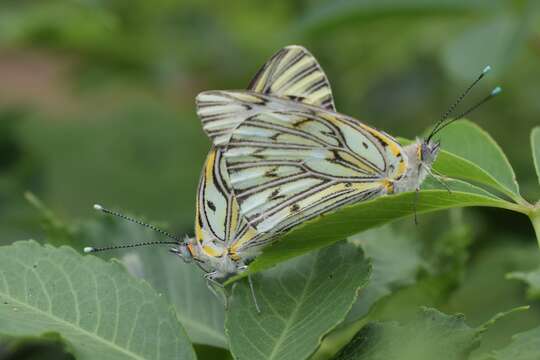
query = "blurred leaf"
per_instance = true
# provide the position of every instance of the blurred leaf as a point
(429, 335)
(484, 282)
(531, 278)
(535, 144)
(481, 159)
(94, 305)
(403, 304)
(300, 300)
(396, 260)
(494, 42)
(325, 14)
(200, 312)
(49, 346)
(158, 146)
(56, 232)
(524, 346)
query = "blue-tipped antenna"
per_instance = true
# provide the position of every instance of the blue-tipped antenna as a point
(444, 121)
(496, 91)
(175, 240)
(491, 95)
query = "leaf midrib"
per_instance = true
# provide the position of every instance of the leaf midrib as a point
(288, 323)
(70, 325)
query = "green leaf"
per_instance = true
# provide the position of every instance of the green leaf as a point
(524, 346)
(200, 312)
(429, 335)
(535, 144)
(474, 156)
(352, 219)
(96, 306)
(300, 301)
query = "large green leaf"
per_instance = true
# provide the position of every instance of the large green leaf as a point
(201, 313)
(301, 300)
(96, 306)
(535, 144)
(524, 346)
(473, 155)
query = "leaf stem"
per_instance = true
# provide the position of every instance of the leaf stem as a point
(535, 219)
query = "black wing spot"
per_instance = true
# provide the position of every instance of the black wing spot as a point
(295, 208)
(364, 144)
(211, 205)
(348, 184)
(296, 98)
(275, 195)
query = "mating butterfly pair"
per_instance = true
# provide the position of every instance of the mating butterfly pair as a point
(282, 155)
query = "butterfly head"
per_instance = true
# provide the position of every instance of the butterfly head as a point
(183, 251)
(428, 151)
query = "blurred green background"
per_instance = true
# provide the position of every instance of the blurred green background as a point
(97, 96)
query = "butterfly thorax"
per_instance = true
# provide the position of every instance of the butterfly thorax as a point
(421, 156)
(213, 258)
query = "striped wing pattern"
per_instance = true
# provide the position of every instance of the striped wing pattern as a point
(219, 228)
(283, 155)
(291, 74)
(289, 166)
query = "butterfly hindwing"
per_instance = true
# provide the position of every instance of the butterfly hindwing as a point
(219, 228)
(291, 74)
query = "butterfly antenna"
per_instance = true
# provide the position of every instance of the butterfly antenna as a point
(176, 240)
(452, 108)
(138, 222)
(491, 95)
(90, 249)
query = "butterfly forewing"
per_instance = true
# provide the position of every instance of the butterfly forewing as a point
(288, 166)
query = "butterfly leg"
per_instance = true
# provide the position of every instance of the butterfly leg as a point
(213, 285)
(440, 179)
(251, 288)
(250, 281)
(415, 203)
